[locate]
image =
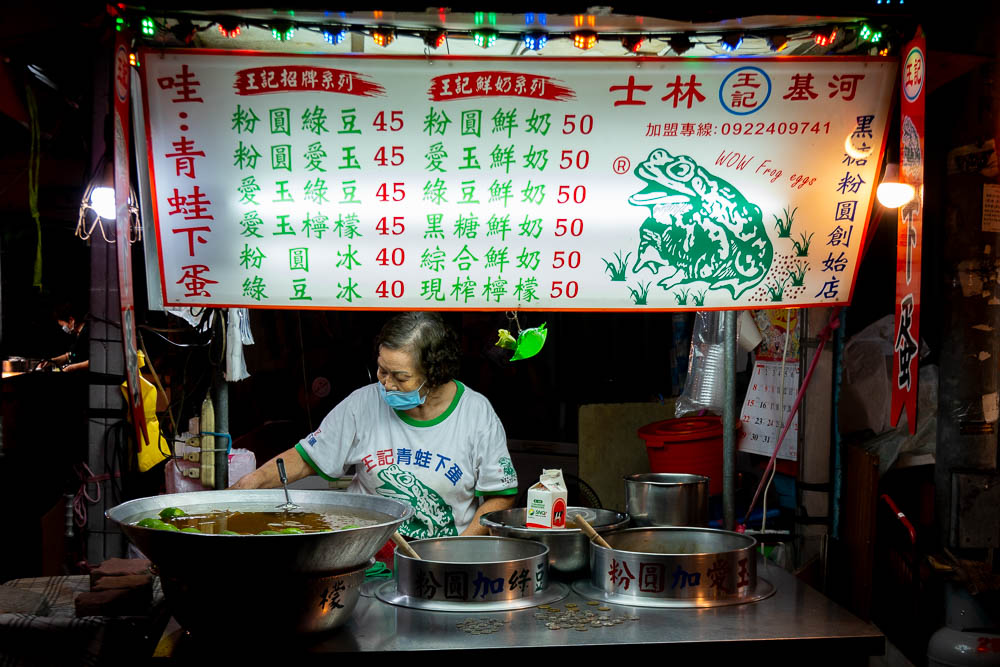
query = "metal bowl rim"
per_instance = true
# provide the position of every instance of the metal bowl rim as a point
(635, 478)
(407, 513)
(623, 520)
(752, 545)
(534, 543)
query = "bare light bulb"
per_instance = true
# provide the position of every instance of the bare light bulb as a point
(891, 193)
(103, 201)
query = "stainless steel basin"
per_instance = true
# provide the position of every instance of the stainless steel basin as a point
(675, 567)
(278, 583)
(667, 499)
(569, 548)
(473, 569)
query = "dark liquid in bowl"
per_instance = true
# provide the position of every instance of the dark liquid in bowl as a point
(216, 521)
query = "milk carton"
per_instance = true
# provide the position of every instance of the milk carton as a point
(547, 501)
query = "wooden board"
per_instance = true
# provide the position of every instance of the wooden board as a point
(611, 448)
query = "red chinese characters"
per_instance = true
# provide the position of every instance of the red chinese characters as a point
(292, 78)
(184, 84)
(183, 157)
(842, 86)
(497, 84)
(683, 93)
(194, 282)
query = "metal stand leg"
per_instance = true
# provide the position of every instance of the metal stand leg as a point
(729, 425)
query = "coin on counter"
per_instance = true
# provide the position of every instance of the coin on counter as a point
(604, 609)
(593, 603)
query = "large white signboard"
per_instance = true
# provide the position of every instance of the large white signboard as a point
(529, 183)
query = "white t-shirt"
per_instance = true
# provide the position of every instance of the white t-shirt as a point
(438, 466)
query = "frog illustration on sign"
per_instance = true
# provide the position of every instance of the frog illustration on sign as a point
(699, 229)
(432, 516)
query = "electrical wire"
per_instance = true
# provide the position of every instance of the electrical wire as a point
(781, 412)
(175, 344)
(824, 335)
(82, 498)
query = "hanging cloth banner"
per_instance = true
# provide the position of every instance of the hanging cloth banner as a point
(122, 74)
(397, 182)
(909, 233)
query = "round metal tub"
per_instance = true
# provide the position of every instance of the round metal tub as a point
(279, 583)
(183, 553)
(675, 567)
(569, 553)
(667, 499)
(472, 574)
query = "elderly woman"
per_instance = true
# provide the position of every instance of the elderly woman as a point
(417, 435)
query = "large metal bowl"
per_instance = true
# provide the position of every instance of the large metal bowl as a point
(277, 583)
(336, 551)
(569, 548)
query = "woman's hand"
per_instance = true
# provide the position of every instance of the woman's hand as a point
(492, 504)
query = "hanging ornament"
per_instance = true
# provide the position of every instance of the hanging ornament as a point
(528, 343)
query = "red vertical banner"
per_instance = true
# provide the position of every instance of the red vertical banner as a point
(122, 76)
(908, 238)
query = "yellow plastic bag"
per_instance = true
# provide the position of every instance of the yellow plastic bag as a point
(149, 454)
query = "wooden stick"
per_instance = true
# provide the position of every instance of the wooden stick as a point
(590, 532)
(404, 546)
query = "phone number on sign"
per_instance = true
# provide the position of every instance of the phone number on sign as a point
(775, 128)
(727, 129)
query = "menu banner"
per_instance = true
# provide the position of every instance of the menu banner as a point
(397, 182)
(909, 236)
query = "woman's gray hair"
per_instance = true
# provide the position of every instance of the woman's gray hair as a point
(432, 342)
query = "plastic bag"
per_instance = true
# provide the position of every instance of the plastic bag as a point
(704, 387)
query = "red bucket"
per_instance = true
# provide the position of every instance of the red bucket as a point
(690, 445)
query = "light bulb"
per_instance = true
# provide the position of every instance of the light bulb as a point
(891, 193)
(894, 195)
(103, 201)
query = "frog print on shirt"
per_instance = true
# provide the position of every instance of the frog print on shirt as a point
(432, 516)
(699, 229)
(507, 470)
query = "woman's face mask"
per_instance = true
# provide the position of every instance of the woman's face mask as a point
(402, 400)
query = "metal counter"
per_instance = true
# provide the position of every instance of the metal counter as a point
(795, 621)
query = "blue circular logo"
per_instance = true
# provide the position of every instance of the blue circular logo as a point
(745, 91)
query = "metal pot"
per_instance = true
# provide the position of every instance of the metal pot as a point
(291, 583)
(569, 553)
(473, 569)
(667, 499)
(675, 567)
(310, 553)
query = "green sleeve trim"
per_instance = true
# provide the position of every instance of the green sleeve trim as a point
(407, 419)
(504, 492)
(305, 457)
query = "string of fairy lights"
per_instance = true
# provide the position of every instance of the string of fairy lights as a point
(854, 37)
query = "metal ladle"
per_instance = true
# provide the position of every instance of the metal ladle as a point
(288, 504)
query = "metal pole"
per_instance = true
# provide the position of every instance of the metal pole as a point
(221, 400)
(220, 397)
(729, 424)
